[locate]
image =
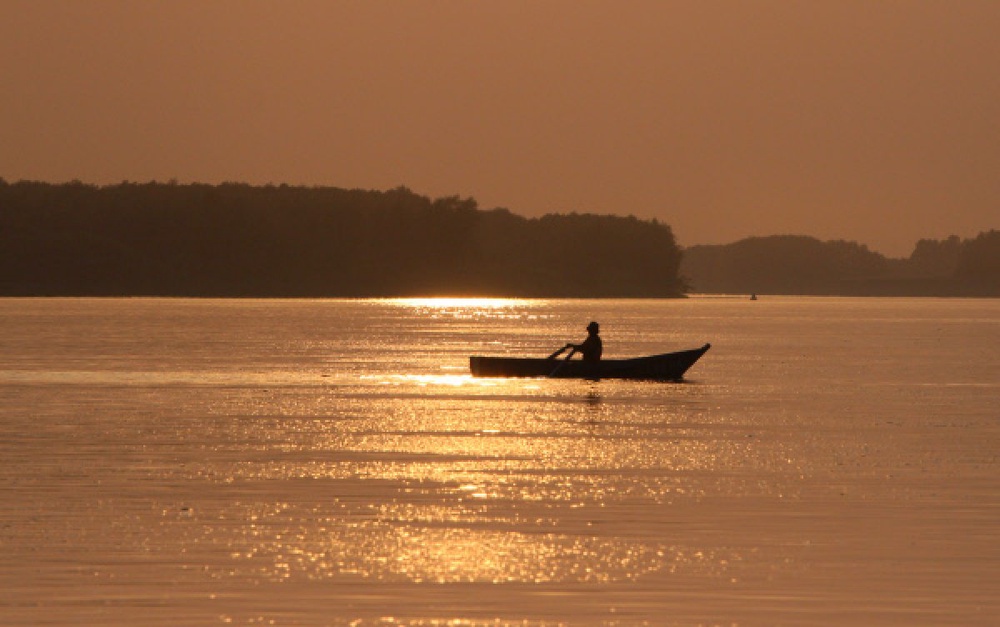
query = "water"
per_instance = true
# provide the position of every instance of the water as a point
(829, 461)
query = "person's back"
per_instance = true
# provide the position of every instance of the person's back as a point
(592, 347)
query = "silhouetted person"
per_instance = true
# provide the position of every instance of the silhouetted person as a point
(591, 347)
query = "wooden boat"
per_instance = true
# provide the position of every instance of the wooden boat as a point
(668, 366)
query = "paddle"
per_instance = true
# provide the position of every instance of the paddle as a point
(563, 362)
(558, 352)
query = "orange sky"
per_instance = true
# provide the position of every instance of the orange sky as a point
(875, 121)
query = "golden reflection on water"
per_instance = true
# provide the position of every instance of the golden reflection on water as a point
(419, 544)
(447, 509)
(428, 476)
(494, 309)
(430, 380)
(449, 478)
(459, 303)
(449, 555)
(361, 454)
(460, 502)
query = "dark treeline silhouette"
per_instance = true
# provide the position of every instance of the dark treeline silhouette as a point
(791, 264)
(238, 240)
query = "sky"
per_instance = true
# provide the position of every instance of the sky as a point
(876, 121)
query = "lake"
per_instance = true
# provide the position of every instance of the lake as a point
(829, 461)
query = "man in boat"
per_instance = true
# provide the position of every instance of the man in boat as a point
(591, 347)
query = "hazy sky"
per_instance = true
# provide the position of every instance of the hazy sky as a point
(875, 121)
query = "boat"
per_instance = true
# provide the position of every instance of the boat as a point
(665, 367)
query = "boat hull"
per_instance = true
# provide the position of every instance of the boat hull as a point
(666, 367)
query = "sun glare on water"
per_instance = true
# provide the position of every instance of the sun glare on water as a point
(429, 380)
(468, 307)
(445, 302)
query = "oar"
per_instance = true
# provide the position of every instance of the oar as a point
(562, 363)
(558, 352)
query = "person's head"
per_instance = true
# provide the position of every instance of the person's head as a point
(593, 328)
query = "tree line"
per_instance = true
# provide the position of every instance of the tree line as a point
(239, 240)
(789, 264)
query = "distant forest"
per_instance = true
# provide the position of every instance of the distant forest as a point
(237, 240)
(787, 264)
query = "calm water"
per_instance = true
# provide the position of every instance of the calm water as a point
(829, 461)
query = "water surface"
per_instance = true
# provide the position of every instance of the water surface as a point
(829, 461)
